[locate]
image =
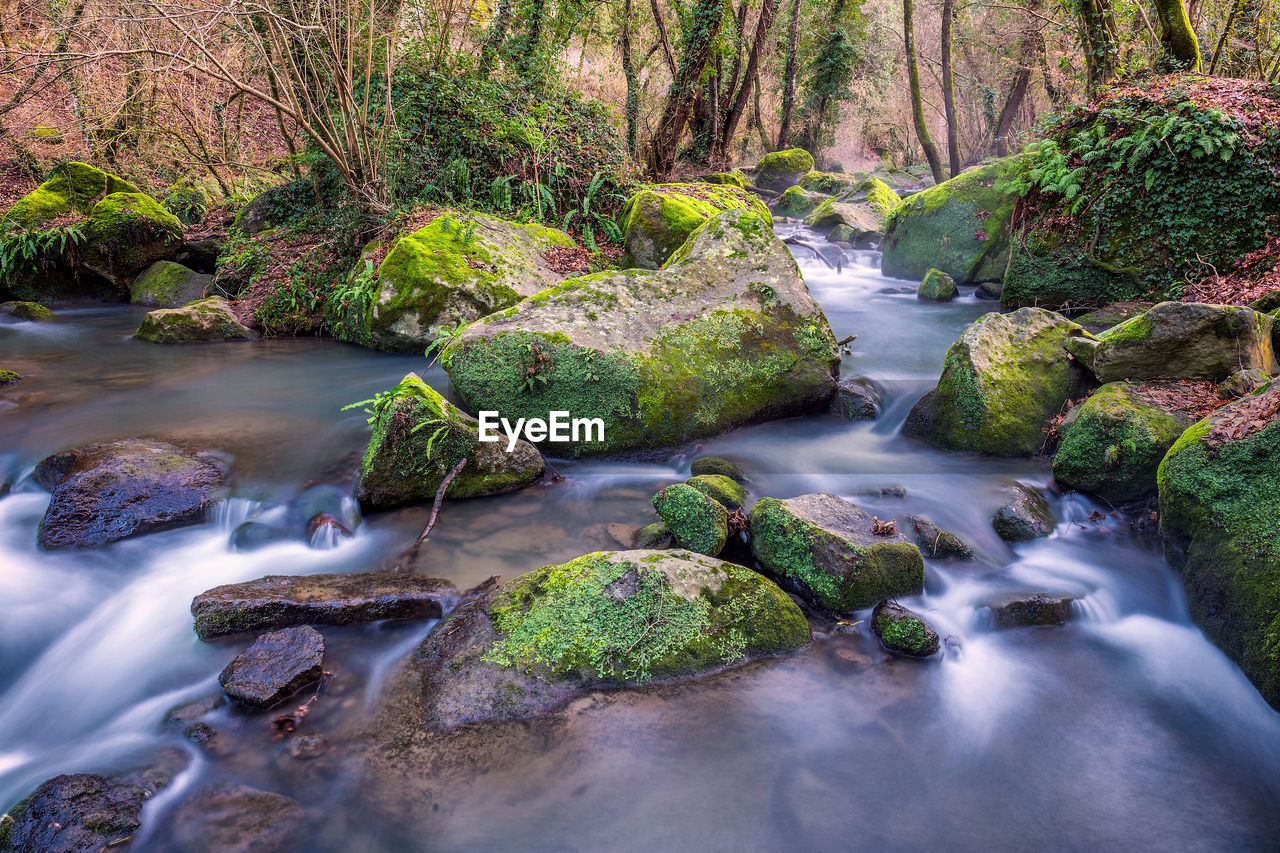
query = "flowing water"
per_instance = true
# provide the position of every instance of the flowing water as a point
(1126, 728)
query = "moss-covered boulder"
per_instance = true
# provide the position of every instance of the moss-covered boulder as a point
(418, 437)
(696, 521)
(725, 334)
(73, 188)
(1220, 519)
(205, 320)
(165, 284)
(723, 490)
(859, 214)
(657, 220)
(9, 377)
(126, 233)
(798, 203)
(1024, 516)
(610, 618)
(937, 286)
(1049, 270)
(717, 465)
(1181, 340)
(26, 311)
(902, 631)
(829, 551)
(830, 183)
(732, 179)
(1002, 381)
(1243, 381)
(452, 272)
(960, 227)
(782, 169)
(1113, 444)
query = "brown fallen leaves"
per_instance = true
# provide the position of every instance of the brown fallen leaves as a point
(1193, 398)
(567, 261)
(1245, 418)
(1254, 276)
(883, 528)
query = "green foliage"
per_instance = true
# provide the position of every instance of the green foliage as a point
(32, 249)
(443, 418)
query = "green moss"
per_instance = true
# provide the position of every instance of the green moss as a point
(830, 183)
(162, 283)
(732, 179)
(188, 201)
(904, 632)
(606, 618)
(783, 168)
(717, 465)
(697, 521)
(8, 377)
(719, 488)
(937, 286)
(960, 226)
(1220, 515)
(1043, 270)
(657, 220)
(203, 320)
(125, 229)
(72, 188)
(46, 135)
(798, 202)
(1114, 445)
(26, 311)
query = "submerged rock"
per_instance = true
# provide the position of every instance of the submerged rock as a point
(1030, 610)
(418, 437)
(781, 169)
(9, 377)
(607, 618)
(1112, 444)
(168, 285)
(278, 601)
(1220, 519)
(937, 286)
(205, 320)
(826, 547)
(234, 818)
(960, 227)
(1001, 382)
(696, 521)
(725, 491)
(724, 335)
(1025, 517)
(653, 536)
(717, 465)
(936, 542)
(1181, 340)
(106, 492)
(26, 311)
(902, 631)
(857, 400)
(658, 219)
(276, 666)
(452, 272)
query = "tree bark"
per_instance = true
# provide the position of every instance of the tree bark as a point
(917, 102)
(667, 53)
(1236, 7)
(704, 25)
(1097, 28)
(497, 35)
(1176, 35)
(633, 79)
(1032, 44)
(789, 86)
(949, 89)
(759, 46)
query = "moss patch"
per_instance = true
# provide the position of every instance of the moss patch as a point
(658, 219)
(697, 521)
(720, 489)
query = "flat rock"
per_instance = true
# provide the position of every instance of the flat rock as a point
(276, 666)
(205, 320)
(106, 492)
(278, 601)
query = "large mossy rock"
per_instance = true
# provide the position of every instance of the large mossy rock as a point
(72, 188)
(826, 548)
(418, 437)
(1050, 271)
(830, 183)
(610, 618)
(452, 272)
(937, 286)
(165, 284)
(1112, 444)
(798, 203)
(960, 226)
(74, 813)
(1001, 382)
(126, 233)
(858, 215)
(781, 169)
(1220, 518)
(106, 492)
(657, 220)
(31, 311)
(725, 334)
(1181, 340)
(205, 320)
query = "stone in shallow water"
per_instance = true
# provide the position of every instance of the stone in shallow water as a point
(278, 601)
(936, 542)
(26, 311)
(856, 400)
(234, 818)
(717, 465)
(74, 813)
(698, 522)
(1029, 610)
(106, 492)
(206, 320)
(275, 667)
(719, 488)
(902, 631)
(1025, 517)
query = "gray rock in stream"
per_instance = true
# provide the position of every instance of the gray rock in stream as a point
(106, 492)
(233, 818)
(276, 666)
(278, 601)
(1025, 517)
(936, 542)
(1024, 610)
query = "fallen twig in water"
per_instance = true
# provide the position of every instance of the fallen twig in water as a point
(287, 723)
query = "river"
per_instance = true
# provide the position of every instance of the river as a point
(1125, 729)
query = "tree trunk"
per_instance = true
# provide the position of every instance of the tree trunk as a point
(789, 86)
(739, 106)
(1098, 42)
(1032, 44)
(633, 79)
(1176, 35)
(949, 89)
(704, 25)
(667, 53)
(917, 102)
(1236, 7)
(497, 35)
